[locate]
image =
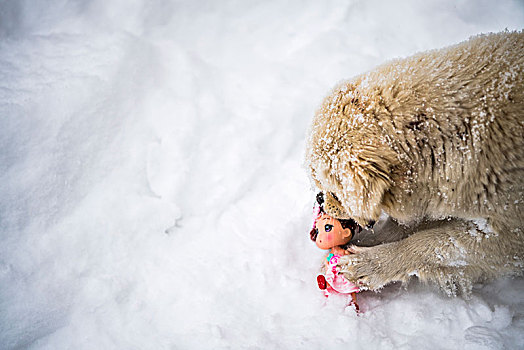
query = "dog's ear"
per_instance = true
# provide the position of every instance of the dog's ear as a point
(334, 208)
(364, 181)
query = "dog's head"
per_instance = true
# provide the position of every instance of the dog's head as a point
(351, 192)
(349, 158)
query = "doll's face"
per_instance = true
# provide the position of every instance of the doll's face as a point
(330, 232)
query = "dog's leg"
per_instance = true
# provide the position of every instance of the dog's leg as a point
(454, 255)
(385, 230)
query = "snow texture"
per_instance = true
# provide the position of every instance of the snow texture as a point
(152, 191)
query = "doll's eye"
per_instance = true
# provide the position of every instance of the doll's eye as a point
(328, 227)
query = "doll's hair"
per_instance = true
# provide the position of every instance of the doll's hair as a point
(345, 223)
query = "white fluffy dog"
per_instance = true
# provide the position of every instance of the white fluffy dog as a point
(436, 141)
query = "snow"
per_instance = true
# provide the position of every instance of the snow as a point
(152, 190)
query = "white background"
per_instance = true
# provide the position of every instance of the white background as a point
(152, 189)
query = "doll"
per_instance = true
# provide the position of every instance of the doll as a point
(333, 234)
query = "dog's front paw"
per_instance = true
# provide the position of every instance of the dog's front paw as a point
(373, 267)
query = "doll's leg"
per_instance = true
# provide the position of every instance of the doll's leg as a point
(354, 301)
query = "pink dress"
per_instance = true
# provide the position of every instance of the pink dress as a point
(336, 283)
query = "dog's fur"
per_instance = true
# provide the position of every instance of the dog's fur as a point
(436, 141)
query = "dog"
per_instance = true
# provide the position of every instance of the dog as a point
(436, 142)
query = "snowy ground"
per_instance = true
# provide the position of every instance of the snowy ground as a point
(152, 192)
